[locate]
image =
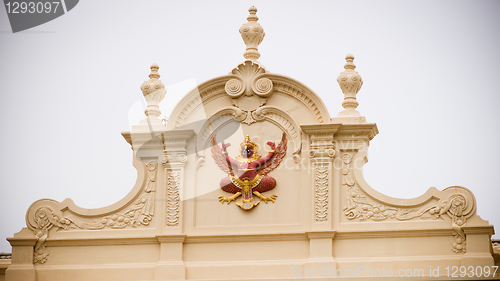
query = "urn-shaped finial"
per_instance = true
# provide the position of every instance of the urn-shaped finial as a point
(253, 34)
(350, 82)
(154, 91)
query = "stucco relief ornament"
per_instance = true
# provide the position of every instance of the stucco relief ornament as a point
(350, 82)
(253, 34)
(248, 88)
(137, 214)
(247, 174)
(321, 196)
(44, 220)
(456, 206)
(154, 91)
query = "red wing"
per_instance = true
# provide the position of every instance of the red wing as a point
(276, 159)
(218, 156)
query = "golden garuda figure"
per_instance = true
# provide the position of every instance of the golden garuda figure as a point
(247, 174)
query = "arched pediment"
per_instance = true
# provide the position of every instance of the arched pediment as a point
(251, 94)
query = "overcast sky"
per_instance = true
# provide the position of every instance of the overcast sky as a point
(430, 71)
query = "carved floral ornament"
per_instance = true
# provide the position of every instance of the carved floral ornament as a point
(154, 91)
(43, 215)
(249, 86)
(458, 203)
(173, 198)
(321, 193)
(252, 34)
(248, 90)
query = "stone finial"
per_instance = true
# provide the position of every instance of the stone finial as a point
(350, 82)
(154, 91)
(253, 34)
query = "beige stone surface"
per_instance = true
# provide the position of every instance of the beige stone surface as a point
(171, 226)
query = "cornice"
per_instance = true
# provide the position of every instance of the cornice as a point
(367, 130)
(325, 128)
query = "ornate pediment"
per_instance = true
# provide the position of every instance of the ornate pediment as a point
(325, 209)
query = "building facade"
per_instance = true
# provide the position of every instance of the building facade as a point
(302, 208)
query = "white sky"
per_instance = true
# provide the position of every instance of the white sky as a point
(430, 71)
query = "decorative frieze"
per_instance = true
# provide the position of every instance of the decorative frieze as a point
(321, 194)
(173, 198)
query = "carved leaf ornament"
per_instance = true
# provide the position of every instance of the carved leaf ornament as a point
(356, 206)
(139, 213)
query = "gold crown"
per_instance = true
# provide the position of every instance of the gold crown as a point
(248, 142)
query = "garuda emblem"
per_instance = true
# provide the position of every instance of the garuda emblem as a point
(247, 174)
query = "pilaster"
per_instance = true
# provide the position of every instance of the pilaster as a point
(321, 250)
(171, 265)
(478, 247)
(174, 160)
(21, 267)
(321, 153)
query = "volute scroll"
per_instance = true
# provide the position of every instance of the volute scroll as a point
(362, 203)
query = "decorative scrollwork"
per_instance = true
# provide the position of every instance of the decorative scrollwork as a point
(140, 213)
(234, 88)
(263, 87)
(455, 205)
(321, 151)
(45, 219)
